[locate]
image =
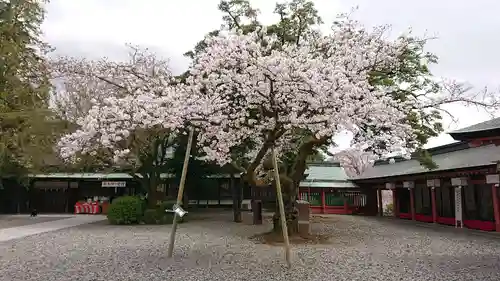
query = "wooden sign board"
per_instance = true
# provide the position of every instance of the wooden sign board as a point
(493, 179)
(114, 184)
(458, 207)
(408, 184)
(434, 183)
(459, 182)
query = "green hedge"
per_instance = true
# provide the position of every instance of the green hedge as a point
(126, 210)
(150, 216)
(159, 216)
(132, 210)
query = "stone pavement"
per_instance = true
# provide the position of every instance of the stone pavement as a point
(11, 233)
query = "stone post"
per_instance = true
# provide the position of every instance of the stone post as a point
(303, 220)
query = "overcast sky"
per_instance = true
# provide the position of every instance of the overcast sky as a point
(467, 33)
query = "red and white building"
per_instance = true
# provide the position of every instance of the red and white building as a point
(461, 191)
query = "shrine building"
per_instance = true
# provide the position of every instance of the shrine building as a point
(462, 191)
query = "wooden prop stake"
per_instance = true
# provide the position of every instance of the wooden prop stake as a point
(284, 228)
(180, 192)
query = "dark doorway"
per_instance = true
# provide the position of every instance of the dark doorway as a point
(423, 203)
(403, 195)
(478, 203)
(445, 200)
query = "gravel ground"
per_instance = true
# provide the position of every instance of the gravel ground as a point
(361, 249)
(7, 221)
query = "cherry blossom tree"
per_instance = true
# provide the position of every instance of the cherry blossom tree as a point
(355, 161)
(258, 96)
(132, 118)
(287, 86)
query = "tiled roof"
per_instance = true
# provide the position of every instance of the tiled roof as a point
(326, 174)
(107, 176)
(335, 184)
(326, 171)
(465, 158)
(487, 125)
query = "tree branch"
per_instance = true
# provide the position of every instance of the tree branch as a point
(305, 150)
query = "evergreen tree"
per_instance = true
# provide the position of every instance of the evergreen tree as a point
(26, 131)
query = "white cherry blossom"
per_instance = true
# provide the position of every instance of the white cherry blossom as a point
(137, 102)
(252, 92)
(241, 90)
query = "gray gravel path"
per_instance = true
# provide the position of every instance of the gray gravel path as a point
(361, 249)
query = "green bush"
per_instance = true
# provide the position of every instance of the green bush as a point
(150, 216)
(144, 204)
(125, 210)
(167, 217)
(166, 205)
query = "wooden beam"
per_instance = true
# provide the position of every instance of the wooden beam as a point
(430, 175)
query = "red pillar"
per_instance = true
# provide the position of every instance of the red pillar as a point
(412, 204)
(323, 201)
(496, 206)
(395, 207)
(380, 206)
(434, 207)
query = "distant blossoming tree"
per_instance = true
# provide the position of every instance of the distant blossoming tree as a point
(355, 161)
(127, 114)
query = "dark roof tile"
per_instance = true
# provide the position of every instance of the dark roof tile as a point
(465, 158)
(484, 126)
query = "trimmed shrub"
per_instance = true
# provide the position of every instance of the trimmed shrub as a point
(150, 216)
(167, 217)
(125, 210)
(144, 202)
(166, 205)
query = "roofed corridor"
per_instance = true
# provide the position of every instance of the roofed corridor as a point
(361, 248)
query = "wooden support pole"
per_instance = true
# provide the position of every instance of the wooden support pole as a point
(395, 207)
(412, 203)
(496, 206)
(180, 192)
(434, 206)
(236, 193)
(380, 203)
(284, 228)
(323, 201)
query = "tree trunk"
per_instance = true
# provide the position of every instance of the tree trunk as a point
(152, 199)
(291, 187)
(236, 192)
(291, 214)
(153, 194)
